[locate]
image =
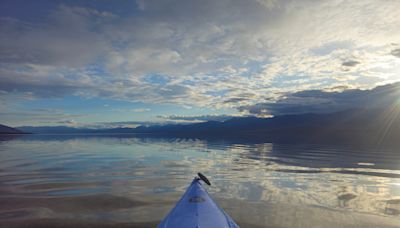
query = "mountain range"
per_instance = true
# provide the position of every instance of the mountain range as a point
(9, 130)
(361, 126)
(373, 127)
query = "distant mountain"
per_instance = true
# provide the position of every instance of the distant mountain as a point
(361, 126)
(54, 130)
(71, 130)
(371, 127)
(9, 130)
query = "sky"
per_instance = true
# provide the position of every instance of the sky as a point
(126, 63)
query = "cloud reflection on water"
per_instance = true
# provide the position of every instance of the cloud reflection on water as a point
(259, 184)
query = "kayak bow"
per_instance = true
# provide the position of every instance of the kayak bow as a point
(197, 209)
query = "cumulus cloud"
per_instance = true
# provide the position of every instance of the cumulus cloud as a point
(219, 54)
(319, 101)
(46, 81)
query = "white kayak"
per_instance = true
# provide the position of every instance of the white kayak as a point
(196, 209)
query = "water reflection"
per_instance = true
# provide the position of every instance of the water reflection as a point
(126, 180)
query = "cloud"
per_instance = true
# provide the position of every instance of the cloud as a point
(72, 123)
(116, 124)
(141, 110)
(65, 39)
(162, 120)
(45, 81)
(200, 118)
(136, 110)
(319, 101)
(350, 63)
(207, 54)
(19, 117)
(396, 52)
(235, 100)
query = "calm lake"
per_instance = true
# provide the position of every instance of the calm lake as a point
(130, 181)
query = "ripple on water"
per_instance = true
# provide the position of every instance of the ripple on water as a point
(75, 204)
(116, 182)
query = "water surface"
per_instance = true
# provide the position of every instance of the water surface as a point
(129, 181)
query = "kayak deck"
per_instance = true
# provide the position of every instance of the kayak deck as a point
(197, 209)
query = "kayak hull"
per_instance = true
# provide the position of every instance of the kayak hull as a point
(197, 209)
